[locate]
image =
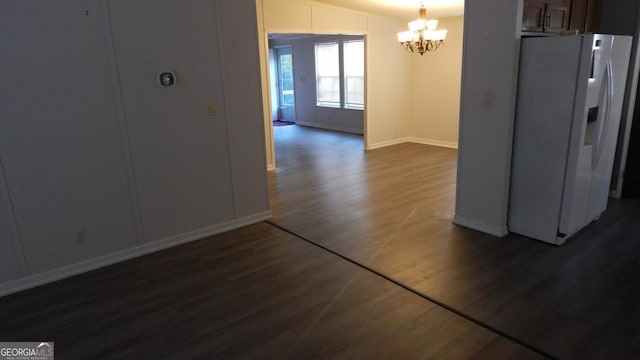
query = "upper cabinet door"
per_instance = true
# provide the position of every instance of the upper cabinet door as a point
(546, 16)
(533, 16)
(560, 16)
(556, 18)
(585, 16)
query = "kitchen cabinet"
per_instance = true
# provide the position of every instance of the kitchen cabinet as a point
(585, 16)
(553, 17)
(547, 16)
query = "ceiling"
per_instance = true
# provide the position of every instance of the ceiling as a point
(402, 9)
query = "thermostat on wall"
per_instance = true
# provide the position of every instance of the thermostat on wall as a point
(167, 78)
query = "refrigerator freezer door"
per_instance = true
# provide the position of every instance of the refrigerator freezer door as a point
(616, 72)
(587, 187)
(584, 130)
(549, 74)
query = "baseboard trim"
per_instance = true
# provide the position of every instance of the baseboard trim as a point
(423, 141)
(388, 143)
(127, 254)
(494, 230)
(434, 142)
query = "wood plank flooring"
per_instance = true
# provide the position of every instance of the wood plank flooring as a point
(253, 293)
(263, 293)
(390, 209)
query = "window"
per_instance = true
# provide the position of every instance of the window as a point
(354, 74)
(328, 74)
(285, 70)
(340, 74)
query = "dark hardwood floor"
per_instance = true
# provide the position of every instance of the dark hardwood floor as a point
(390, 210)
(253, 293)
(434, 290)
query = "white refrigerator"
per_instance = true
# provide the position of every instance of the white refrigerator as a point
(569, 103)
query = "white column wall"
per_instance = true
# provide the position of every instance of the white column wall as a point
(489, 83)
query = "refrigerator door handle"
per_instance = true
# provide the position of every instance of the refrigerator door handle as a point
(607, 115)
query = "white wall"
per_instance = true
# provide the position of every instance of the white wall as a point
(60, 135)
(265, 69)
(307, 113)
(436, 89)
(163, 119)
(89, 140)
(242, 87)
(489, 81)
(389, 79)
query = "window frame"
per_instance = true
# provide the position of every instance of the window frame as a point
(342, 102)
(345, 100)
(320, 75)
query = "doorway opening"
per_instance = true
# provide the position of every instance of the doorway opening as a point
(283, 82)
(317, 81)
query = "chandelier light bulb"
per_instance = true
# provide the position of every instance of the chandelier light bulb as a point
(417, 25)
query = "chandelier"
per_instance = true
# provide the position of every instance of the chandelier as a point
(422, 35)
